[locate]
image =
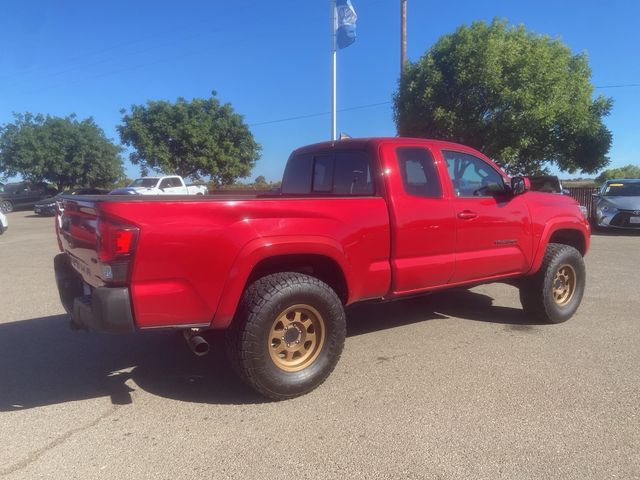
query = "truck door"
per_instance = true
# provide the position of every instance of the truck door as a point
(172, 186)
(493, 227)
(423, 222)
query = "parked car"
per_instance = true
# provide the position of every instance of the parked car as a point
(47, 207)
(358, 219)
(4, 224)
(171, 185)
(617, 205)
(546, 183)
(23, 194)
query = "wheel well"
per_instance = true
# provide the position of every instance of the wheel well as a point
(569, 237)
(319, 266)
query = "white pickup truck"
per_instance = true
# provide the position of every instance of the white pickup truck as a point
(171, 185)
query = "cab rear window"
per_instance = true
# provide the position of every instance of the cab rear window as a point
(337, 173)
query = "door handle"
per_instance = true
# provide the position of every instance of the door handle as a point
(467, 215)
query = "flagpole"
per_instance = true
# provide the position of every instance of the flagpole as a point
(334, 64)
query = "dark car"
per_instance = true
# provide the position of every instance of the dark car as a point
(47, 206)
(547, 183)
(617, 205)
(23, 194)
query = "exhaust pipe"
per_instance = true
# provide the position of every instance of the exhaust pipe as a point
(198, 345)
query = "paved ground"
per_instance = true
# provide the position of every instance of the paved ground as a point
(458, 385)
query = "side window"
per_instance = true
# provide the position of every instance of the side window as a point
(418, 171)
(323, 174)
(471, 176)
(352, 174)
(165, 183)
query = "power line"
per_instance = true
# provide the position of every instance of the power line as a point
(319, 114)
(371, 105)
(623, 85)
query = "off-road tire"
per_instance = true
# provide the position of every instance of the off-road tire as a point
(250, 339)
(542, 294)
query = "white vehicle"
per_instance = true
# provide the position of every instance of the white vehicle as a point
(3, 223)
(171, 185)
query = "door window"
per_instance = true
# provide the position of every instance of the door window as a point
(471, 176)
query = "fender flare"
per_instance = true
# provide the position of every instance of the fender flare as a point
(262, 248)
(559, 223)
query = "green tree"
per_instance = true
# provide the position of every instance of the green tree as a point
(197, 138)
(521, 98)
(260, 181)
(63, 151)
(628, 171)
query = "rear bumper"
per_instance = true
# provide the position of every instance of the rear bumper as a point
(106, 309)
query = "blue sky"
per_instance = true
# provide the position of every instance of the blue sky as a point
(271, 60)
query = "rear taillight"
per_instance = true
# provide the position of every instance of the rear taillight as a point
(116, 244)
(115, 241)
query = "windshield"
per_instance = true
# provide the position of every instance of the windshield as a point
(622, 189)
(144, 182)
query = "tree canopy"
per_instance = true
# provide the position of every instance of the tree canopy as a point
(628, 171)
(197, 138)
(64, 151)
(521, 98)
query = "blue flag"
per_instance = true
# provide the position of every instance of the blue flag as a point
(346, 33)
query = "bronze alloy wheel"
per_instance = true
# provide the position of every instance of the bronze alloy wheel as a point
(564, 285)
(296, 338)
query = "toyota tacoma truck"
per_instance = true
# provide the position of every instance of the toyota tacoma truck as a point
(355, 220)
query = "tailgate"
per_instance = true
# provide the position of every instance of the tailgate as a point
(100, 248)
(78, 236)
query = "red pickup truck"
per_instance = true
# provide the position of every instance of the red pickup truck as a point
(357, 219)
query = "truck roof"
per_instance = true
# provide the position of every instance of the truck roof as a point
(363, 143)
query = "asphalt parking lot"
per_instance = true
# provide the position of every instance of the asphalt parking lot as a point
(454, 385)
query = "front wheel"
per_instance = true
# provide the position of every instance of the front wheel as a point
(6, 206)
(288, 334)
(555, 292)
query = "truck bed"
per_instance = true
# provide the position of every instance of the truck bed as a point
(192, 253)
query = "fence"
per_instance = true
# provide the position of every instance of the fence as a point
(584, 196)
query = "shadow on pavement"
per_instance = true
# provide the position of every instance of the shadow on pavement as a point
(45, 363)
(466, 304)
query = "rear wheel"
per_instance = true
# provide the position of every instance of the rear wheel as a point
(6, 206)
(555, 292)
(288, 334)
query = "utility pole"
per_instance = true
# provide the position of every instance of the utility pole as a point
(403, 36)
(334, 67)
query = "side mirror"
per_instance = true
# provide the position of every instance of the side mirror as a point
(520, 185)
